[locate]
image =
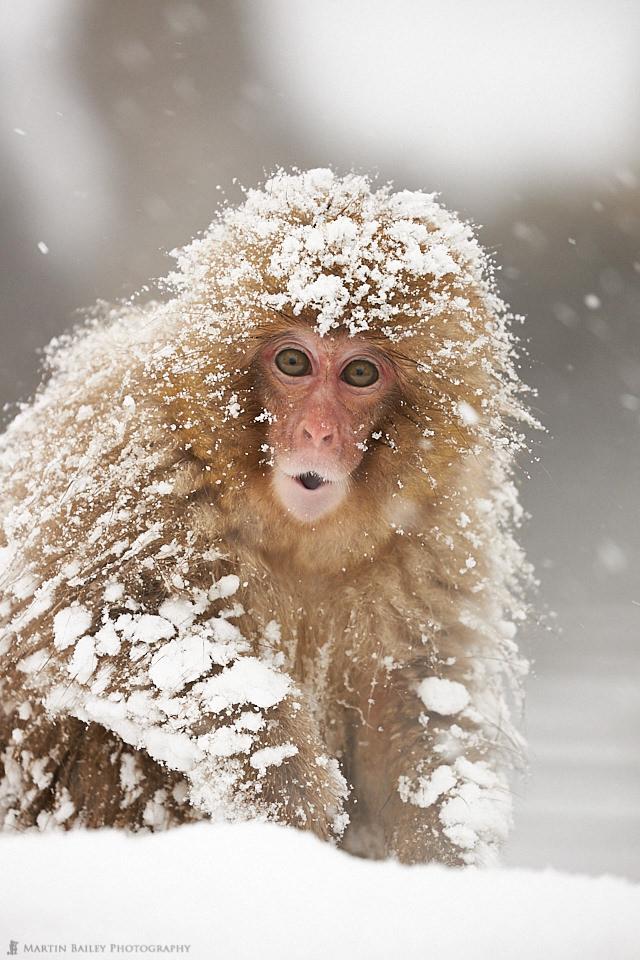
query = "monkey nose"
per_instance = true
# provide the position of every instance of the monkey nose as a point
(319, 435)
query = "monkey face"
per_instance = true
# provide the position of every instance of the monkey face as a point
(324, 396)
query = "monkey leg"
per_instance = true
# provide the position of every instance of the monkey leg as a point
(64, 773)
(424, 784)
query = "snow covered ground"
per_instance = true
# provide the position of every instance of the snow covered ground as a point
(261, 891)
(267, 892)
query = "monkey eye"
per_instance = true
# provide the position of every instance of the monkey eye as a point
(293, 362)
(360, 373)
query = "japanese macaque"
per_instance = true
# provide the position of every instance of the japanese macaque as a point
(256, 547)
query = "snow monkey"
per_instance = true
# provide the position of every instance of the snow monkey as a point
(256, 547)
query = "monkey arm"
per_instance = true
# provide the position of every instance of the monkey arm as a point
(430, 770)
(183, 689)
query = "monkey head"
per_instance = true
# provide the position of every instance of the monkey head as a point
(326, 395)
(334, 338)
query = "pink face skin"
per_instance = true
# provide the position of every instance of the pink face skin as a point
(324, 392)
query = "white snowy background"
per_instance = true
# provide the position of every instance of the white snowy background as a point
(122, 124)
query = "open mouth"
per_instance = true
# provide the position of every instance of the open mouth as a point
(308, 496)
(311, 481)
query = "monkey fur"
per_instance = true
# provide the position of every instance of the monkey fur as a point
(178, 642)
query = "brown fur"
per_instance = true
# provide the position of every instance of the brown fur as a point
(141, 478)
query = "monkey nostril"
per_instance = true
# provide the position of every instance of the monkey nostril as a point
(320, 436)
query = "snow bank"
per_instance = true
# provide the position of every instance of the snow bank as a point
(270, 893)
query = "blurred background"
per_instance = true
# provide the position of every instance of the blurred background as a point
(124, 123)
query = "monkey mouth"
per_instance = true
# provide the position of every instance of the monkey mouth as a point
(308, 496)
(310, 481)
